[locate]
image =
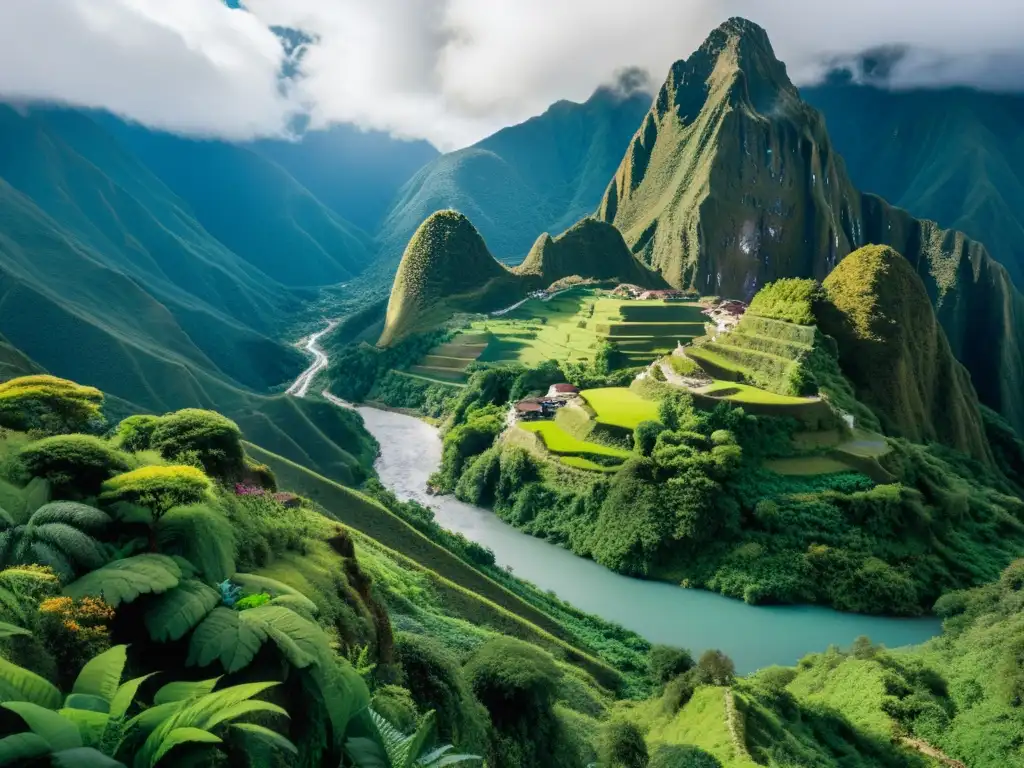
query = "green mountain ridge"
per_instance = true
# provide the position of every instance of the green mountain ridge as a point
(732, 181)
(953, 155)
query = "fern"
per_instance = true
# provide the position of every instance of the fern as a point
(235, 637)
(390, 748)
(202, 535)
(124, 580)
(176, 612)
(57, 535)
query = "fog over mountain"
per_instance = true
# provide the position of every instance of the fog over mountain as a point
(450, 71)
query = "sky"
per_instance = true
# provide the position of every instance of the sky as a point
(448, 71)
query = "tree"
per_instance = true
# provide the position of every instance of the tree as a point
(646, 435)
(214, 439)
(668, 662)
(75, 465)
(621, 745)
(715, 668)
(158, 489)
(387, 747)
(59, 535)
(90, 726)
(136, 432)
(49, 404)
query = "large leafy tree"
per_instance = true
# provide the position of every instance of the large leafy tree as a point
(60, 534)
(49, 404)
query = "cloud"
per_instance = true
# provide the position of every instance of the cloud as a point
(451, 71)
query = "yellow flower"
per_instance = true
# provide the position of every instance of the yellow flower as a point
(55, 605)
(71, 625)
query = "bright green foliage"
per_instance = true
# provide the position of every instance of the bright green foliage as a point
(173, 614)
(387, 747)
(621, 745)
(136, 432)
(214, 439)
(620, 406)
(60, 535)
(158, 488)
(49, 404)
(75, 464)
(124, 580)
(789, 299)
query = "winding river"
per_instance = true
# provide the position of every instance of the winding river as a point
(754, 636)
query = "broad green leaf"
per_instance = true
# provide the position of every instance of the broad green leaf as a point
(125, 695)
(252, 583)
(149, 719)
(59, 732)
(102, 674)
(21, 747)
(83, 757)
(367, 753)
(87, 701)
(182, 691)
(122, 581)
(224, 637)
(300, 640)
(418, 740)
(176, 612)
(19, 684)
(204, 712)
(181, 736)
(301, 604)
(242, 708)
(91, 725)
(10, 630)
(265, 734)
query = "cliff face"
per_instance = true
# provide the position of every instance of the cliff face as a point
(732, 181)
(893, 349)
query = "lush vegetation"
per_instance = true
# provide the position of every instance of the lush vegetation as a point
(789, 299)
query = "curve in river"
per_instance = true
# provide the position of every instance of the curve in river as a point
(300, 386)
(754, 636)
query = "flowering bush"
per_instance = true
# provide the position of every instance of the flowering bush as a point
(244, 489)
(75, 630)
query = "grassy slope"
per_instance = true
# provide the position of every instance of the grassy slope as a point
(557, 440)
(465, 590)
(620, 406)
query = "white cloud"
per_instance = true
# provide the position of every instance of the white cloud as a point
(450, 71)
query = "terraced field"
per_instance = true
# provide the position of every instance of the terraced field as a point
(574, 324)
(558, 441)
(620, 407)
(447, 362)
(744, 393)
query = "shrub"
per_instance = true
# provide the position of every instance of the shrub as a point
(396, 705)
(678, 692)
(621, 745)
(646, 435)
(789, 299)
(136, 432)
(260, 474)
(214, 439)
(76, 465)
(657, 373)
(715, 668)
(75, 630)
(49, 404)
(668, 662)
(682, 756)
(684, 366)
(158, 488)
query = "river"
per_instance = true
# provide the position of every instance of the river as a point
(754, 636)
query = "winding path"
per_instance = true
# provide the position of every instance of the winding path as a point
(301, 385)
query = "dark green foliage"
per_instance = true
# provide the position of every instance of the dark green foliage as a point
(466, 440)
(668, 662)
(76, 465)
(203, 536)
(678, 692)
(356, 370)
(61, 535)
(682, 756)
(435, 682)
(714, 668)
(645, 436)
(621, 745)
(396, 705)
(214, 440)
(136, 432)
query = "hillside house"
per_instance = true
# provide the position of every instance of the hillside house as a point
(726, 314)
(562, 392)
(529, 410)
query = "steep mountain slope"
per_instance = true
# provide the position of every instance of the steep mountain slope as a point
(253, 206)
(732, 181)
(896, 354)
(446, 265)
(355, 173)
(542, 175)
(952, 155)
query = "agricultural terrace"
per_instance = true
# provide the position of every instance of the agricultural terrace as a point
(572, 325)
(557, 440)
(447, 363)
(735, 392)
(620, 407)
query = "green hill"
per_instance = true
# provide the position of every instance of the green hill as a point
(952, 155)
(590, 248)
(732, 182)
(542, 175)
(252, 206)
(897, 355)
(446, 266)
